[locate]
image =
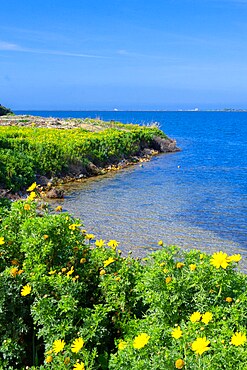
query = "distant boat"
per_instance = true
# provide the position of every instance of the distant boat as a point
(115, 110)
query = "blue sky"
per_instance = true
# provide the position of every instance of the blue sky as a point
(124, 54)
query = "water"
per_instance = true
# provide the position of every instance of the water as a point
(195, 198)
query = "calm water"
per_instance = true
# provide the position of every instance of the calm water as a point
(194, 198)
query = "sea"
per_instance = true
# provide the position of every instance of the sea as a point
(195, 198)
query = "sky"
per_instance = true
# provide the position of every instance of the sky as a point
(123, 54)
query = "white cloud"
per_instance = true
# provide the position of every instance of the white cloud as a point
(7, 46)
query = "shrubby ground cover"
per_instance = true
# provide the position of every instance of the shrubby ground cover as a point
(27, 151)
(70, 301)
(4, 111)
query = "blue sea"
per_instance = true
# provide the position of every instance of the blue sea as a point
(196, 198)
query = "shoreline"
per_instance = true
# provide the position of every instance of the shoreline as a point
(76, 171)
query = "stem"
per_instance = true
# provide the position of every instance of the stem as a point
(33, 344)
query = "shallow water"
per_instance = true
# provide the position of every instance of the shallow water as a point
(112, 208)
(196, 198)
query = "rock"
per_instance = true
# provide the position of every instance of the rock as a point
(92, 169)
(55, 193)
(123, 163)
(164, 145)
(42, 180)
(77, 169)
(147, 151)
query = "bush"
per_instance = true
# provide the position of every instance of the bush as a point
(26, 151)
(16, 169)
(69, 302)
(4, 110)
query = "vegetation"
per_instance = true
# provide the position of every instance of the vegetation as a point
(68, 301)
(4, 110)
(26, 151)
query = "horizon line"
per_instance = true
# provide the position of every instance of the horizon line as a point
(134, 110)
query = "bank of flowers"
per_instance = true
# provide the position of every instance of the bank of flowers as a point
(27, 151)
(71, 301)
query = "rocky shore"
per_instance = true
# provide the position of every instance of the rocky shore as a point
(52, 187)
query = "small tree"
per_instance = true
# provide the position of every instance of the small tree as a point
(4, 110)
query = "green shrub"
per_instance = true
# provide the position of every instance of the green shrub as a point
(25, 151)
(4, 110)
(16, 169)
(69, 302)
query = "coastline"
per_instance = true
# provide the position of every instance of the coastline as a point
(50, 186)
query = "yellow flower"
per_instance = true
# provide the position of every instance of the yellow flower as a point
(89, 236)
(70, 272)
(108, 261)
(238, 339)
(200, 345)
(168, 279)
(201, 256)
(118, 278)
(179, 364)
(77, 345)
(58, 345)
(102, 272)
(160, 243)
(32, 196)
(192, 267)
(32, 187)
(14, 271)
(177, 332)
(228, 299)
(48, 359)
(179, 265)
(206, 317)
(27, 207)
(100, 243)
(45, 236)
(74, 226)
(2, 240)
(113, 244)
(196, 316)
(141, 340)
(83, 260)
(235, 258)
(26, 290)
(79, 366)
(219, 259)
(20, 272)
(59, 209)
(52, 272)
(122, 344)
